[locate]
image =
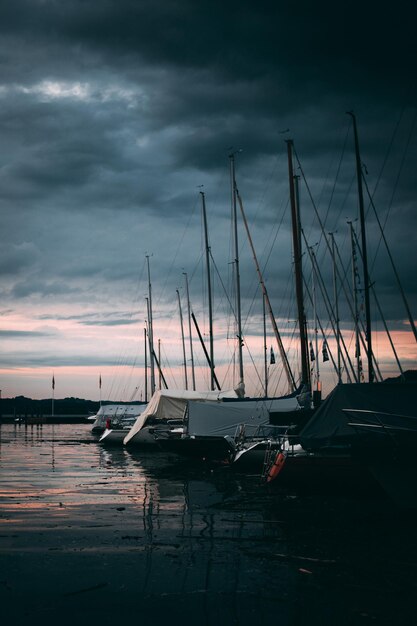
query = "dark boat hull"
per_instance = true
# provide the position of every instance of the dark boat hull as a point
(218, 449)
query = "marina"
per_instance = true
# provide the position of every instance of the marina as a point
(89, 534)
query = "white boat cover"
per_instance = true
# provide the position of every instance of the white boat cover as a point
(171, 404)
(282, 404)
(116, 412)
(217, 419)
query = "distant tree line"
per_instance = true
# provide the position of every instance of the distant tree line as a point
(20, 406)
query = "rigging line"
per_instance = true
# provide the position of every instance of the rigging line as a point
(269, 246)
(254, 365)
(337, 173)
(347, 296)
(337, 218)
(401, 167)
(270, 253)
(231, 307)
(377, 371)
(284, 212)
(168, 274)
(122, 357)
(271, 250)
(268, 303)
(265, 186)
(388, 150)
(324, 336)
(381, 314)
(328, 306)
(222, 284)
(383, 238)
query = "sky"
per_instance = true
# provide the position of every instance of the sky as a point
(116, 114)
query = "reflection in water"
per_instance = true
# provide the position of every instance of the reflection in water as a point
(186, 542)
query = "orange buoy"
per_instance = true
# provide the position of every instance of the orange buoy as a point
(276, 466)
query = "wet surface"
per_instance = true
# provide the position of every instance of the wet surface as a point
(89, 535)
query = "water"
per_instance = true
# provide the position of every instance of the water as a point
(89, 535)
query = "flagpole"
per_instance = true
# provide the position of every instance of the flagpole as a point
(53, 393)
(99, 386)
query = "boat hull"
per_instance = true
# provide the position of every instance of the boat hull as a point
(112, 437)
(219, 449)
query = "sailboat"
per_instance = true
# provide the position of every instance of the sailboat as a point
(367, 428)
(210, 430)
(111, 415)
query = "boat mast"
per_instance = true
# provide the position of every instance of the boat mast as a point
(364, 251)
(241, 384)
(210, 303)
(336, 310)
(189, 330)
(150, 329)
(183, 341)
(205, 351)
(265, 349)
(159, 366)
(296, 233)
(376, 368)
(355, 304)
(316, 331)
(146, 363)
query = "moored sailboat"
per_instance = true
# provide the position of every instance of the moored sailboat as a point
(366, 429)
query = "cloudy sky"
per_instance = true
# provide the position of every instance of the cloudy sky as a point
(115, 113)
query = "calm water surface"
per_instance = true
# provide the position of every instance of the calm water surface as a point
(89, 535)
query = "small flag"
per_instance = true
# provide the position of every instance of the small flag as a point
(99, 382)
(272, 357)
(325, 353)
(53, 381)
(312, 355)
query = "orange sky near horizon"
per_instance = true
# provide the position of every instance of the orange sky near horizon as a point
(125, 382)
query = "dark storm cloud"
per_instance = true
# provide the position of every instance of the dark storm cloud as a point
(239, 38)
(114, 112)
(14, 259)
(23, 334)
(115, 322)
(312, 48)
(14, 361)
(91, 319)
(25, 288)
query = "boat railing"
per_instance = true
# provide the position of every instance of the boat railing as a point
(245, 432)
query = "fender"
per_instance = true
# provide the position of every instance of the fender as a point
(276, 466)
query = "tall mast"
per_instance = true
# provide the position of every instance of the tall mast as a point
(241, 384)
(150, 329)
(189, 330)
(375, 362)
(364, 251)
(336, 310)
(159, 365)
(146, 363)
(296, 234)
(205, 351)
(316, 331)
(355, 304)
(183, 341)
(265, 349)
(210, 304)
